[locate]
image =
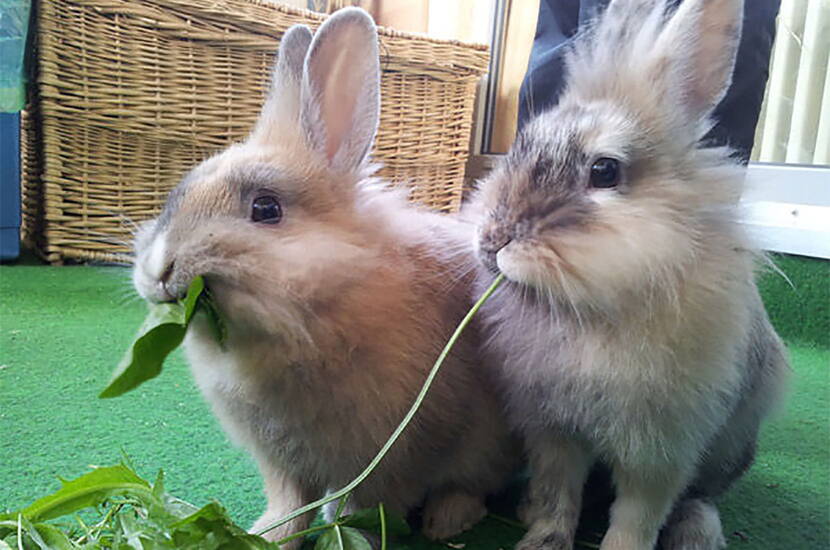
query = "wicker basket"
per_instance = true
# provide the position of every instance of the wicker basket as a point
(131, 94)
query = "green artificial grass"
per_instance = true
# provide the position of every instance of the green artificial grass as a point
(799, 308)
(63, 329)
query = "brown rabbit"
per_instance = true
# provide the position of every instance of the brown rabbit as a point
(337, 296)
(631, 332)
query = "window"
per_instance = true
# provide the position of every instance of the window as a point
(787, 201)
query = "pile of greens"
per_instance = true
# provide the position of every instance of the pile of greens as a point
(130, 513)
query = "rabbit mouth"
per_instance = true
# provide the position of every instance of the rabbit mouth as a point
(535, 264)
(516, 261)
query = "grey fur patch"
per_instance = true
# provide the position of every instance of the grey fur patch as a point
(176, 196)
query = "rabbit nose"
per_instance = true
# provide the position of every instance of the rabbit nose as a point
(493, 247)
(490, 248)
(168, 294)
(168, 271)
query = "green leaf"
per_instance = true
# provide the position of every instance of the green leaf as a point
(194, 291)
(49, 537)
(342, 538)
(208, 304)
(369, 520)
(210, 526)
(162, 331)
(329, 540)
(36, 537)
(4, 546)
(167, 509)
(87, 491)
(211, 512)
(354, 539)
(131, 530)
(158, 486)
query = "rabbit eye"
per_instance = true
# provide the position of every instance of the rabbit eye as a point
(605, 173)
(266, 209)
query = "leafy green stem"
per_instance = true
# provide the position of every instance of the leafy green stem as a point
(341, 506)
(305, 532)
(382, 514)
(404, 423)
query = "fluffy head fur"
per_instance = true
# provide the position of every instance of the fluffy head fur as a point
(631, 331)
(633, 95)
(336, 311)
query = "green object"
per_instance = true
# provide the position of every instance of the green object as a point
(162, 331)
(133, 513)
(131, 510)
(87, 491)
(14, 30)
(62, 328)
(799, 307)
(342, 538)
(371, 520)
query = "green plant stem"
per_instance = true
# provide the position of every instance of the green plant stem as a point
(97, 528)
(87, 532)
(404, 423)
(382, 514)
(305, 532)
(341, 506)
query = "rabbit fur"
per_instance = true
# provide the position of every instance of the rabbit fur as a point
(630, 332)
(336, 306)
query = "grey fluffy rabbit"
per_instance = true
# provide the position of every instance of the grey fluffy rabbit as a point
(338, 297)
(631, 331)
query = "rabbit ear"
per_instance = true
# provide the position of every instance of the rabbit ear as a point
(283, 101)
(700, 42)
(340, 97)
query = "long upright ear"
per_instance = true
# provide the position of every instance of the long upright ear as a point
(700, 43)
(282, 105)
(341, 89)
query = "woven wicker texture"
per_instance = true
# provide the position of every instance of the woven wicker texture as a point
(130, 95)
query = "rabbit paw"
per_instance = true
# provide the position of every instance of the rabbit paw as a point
(693, 525)
(527, 512)
(452, 513)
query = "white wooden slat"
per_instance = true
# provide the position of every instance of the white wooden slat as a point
(785, 57)
(809, 84)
